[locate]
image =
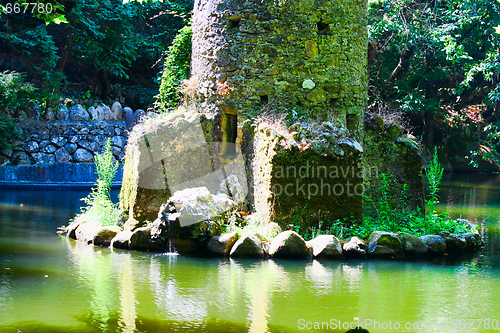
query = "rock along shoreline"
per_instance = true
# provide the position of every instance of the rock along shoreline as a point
(286, 245)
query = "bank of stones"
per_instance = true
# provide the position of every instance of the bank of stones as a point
(287, 244)
(73, 135)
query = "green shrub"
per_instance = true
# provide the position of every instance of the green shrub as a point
(7, 131)
(14, 92)
(434, 173)
(393, 215)
(99, 207)
(176, 69)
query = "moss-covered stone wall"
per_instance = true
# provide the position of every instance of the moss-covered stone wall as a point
(304, 180)
(390, 151)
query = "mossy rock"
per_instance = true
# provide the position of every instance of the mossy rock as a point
(249, 246)
(221, 245)
(105, 235)
(412, 245)
(289, 245)
(383, 244)
(454, 243)
(436, 244)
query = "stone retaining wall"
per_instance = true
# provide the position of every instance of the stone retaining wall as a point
(63, 141)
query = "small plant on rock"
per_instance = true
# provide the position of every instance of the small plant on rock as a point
(434, 173)
(100, 208)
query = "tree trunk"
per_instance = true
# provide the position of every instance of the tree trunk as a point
(429, 127)
(67, 51)
(103, 79)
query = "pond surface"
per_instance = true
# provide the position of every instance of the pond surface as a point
(51, 284)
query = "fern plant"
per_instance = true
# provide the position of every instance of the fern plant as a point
(100, 209)
(434, 174)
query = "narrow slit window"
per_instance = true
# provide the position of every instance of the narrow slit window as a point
(264, 100)
(323, 28)
(233, 24)
(229, 134)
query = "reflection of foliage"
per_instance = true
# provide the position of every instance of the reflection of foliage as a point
(100, 208)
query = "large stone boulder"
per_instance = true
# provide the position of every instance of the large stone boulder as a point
(100, 113)
(121, 240)
(288, 244)
(116, 110)
(355, 248)
(86, 232)
(249, 246)
(93, 113)
(436, 244)
(383, 244)
(412, 245)
(471, 240)
(71, 228)
(129, 118)
(83, 156)
(62, 112)
(454, 243)
(105, 235)
(221, 245)
(77, 112)
(143, 240)
(198, 204)
(326, 247)
(108, 114)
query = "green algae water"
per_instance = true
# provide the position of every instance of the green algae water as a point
(51, 284)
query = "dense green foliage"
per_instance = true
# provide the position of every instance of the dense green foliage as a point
(176, 69)
(14, 91)
(393, 215)
(100, 208)
(438, 61)
(102, 41)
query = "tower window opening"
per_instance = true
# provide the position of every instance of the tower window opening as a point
(323, 28)
(264, 100)
(233, 24)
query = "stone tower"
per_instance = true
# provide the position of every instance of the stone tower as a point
(255, 59)
(309, 56)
